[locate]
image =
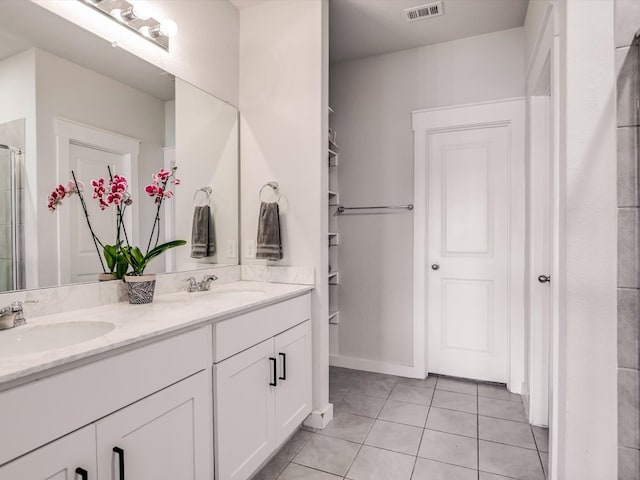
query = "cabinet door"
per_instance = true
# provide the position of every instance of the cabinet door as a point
(166, 436)
(243, 412)
(293, 394)
(57, 460)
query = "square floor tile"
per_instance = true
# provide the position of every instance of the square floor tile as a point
(431, 470)
(491, 476)
(394, 436)
(449, 448)
(455, 401)
(328, 454)
(348, 427)
(298, 472)
(544, 459)
(451, 421)
(491, 407)
(376, 464)
(272, 470)
(295, 444)
(458, 386)
(410, 394)
(510, 461)
(506, 431)
(499, 392)
(402, 412)
(359, 404)
(541, 435)
(373, 386)
(429, 382)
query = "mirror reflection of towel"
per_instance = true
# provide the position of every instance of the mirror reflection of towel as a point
(203, 238)
(269, 241)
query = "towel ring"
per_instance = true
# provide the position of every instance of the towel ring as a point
(274, 186)
(207, 200)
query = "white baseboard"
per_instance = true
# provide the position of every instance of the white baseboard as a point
(319, 418)
(373, 366)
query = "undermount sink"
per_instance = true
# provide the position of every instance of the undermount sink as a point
(41, 338)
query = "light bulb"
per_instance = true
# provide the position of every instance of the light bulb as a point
(142, 11)
(168, 28)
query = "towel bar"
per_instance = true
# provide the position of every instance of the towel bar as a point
(341, 209)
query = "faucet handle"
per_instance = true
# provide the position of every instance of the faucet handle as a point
(192, 284)
(16, 307)
(205, 283)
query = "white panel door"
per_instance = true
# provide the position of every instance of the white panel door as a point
(73, 457)
(468, 253)
(293, 394)
(166, 436)
(244, 411)
(91, 164)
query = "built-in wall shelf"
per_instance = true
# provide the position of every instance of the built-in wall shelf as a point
(334, 198)
(333, 160)
(334, 318)
(330, 110)
(332, 152)
(334, 239)
(334, 278)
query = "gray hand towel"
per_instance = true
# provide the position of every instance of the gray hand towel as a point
(269, 241)
(203, 238)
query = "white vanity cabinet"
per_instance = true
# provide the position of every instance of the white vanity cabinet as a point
(72, 457)
(153, 402)
(163, 437)
(263, 392)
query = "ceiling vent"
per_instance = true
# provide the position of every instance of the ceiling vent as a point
(424, 11)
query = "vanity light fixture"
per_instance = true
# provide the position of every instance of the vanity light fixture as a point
(137, 16)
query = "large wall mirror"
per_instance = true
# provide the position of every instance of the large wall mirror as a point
(71, 102)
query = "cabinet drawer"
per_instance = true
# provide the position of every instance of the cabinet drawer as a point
(41, 411)
(239, 333)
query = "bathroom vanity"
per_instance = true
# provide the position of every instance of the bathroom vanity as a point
(193, 386)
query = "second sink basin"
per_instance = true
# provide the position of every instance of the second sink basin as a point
(41, 338)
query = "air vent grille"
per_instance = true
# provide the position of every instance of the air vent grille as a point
(424, 11)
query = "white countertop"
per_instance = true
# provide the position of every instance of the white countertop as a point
(135, 323)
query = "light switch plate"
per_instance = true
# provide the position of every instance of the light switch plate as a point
(232, 251)
(251, 249)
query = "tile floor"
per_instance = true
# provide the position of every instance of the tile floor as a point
(392, 428)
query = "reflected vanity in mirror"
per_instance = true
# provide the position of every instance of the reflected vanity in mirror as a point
(70, 101)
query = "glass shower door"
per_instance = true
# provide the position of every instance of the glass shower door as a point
(9, 272)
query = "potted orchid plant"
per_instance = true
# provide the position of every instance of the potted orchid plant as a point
(123, 260)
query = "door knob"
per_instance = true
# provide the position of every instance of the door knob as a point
(435, 266)
(544, 279)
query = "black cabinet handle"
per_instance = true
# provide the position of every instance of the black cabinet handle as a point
(274, 372)
(84, 475)
(120, 452)
(284, 366)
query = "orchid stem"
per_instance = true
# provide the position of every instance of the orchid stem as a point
(96, 241)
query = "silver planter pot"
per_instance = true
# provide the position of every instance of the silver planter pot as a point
(141, 288)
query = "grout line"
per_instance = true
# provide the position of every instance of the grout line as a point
(478, 435)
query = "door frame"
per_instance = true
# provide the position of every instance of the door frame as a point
(68, 132)
(509, 113)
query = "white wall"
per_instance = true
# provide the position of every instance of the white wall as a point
(587, 396)
(283, 125)
(204, 52)
(67, 90)
(206, 156)
(373, 99)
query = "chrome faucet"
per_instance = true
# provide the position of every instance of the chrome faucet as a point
(13, 315)
(205, 283)
(201, 286)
